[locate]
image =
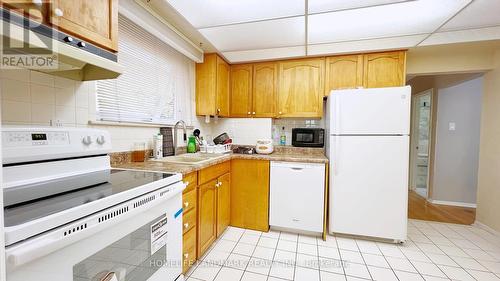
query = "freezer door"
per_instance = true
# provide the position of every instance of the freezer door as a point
(369, 186)
(380, 111)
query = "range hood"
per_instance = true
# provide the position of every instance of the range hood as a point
(69, 59)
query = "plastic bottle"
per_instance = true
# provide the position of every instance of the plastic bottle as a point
(283, 137)
(191, 148)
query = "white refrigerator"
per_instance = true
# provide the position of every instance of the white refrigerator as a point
(368, 147)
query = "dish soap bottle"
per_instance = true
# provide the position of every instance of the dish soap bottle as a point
(191, 148)
(283, 137)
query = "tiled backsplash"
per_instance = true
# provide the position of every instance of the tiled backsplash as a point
(289, 124)
(244, 131)
(31, 98)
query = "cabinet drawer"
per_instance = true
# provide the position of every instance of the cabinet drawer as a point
(188, 249)
(213, 172)
(189, 200)
(188, 220)
(191, 180)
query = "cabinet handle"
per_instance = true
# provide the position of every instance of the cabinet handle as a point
(37, 2)
(186, 225)
(249, 113)
(220, 183)
(58, 12)
(186, 204)
(218, 109)
(253, 113)
(280, 113)
(186, 255)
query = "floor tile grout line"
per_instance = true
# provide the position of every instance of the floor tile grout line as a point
(387, 261)
(450, 258)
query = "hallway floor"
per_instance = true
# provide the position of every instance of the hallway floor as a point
(421, 209)
(433, 251)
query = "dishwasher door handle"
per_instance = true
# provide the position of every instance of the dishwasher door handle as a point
(297, 168)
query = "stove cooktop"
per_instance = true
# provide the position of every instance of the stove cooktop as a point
(34, 201)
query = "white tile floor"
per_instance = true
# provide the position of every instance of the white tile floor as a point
(434, 251)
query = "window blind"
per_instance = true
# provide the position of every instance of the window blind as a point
(154, 75)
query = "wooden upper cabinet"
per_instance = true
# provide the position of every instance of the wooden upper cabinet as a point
(301, 88)
(37, 12)
(384, 69)
(241, 90)
(223, 203)
(212, 86)
(223, 70)
(343, 72)
(265, 85)
(206, 75)
(95, 21)
(207, 215)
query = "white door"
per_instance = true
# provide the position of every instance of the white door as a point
(369, 185)
(379, 111)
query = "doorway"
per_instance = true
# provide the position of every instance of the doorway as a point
(420, 142)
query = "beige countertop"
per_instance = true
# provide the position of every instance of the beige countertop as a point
(288, 156)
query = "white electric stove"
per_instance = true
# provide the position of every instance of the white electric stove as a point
(69, 216)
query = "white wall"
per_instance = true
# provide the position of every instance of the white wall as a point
(457, 152)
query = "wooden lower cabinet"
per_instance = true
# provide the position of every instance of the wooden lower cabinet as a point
(189, 249)
(250, 194)
(223, 203)
(189, 223)
(207, 215)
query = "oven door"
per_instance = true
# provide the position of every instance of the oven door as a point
(147, 246)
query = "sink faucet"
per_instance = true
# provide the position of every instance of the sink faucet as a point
(180, 122)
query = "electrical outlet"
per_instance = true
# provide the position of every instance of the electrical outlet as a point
(451, 126)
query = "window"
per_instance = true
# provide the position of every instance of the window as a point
(155, 74)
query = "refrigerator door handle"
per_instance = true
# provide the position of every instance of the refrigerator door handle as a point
(335, 156)
(337, 114)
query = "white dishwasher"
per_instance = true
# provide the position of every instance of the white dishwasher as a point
(297, 196)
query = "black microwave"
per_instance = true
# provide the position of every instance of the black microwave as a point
(308, 137)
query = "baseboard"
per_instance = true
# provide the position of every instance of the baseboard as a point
(487, 228)
(452, 203)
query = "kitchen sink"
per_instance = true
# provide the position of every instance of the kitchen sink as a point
(190, 158)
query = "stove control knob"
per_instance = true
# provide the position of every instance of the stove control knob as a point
(87, 140)
(101, 140)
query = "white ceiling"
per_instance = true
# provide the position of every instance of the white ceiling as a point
(252, 30)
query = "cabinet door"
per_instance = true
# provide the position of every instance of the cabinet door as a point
(241, 91)
(265, 83)
(223, 203)
(250, 194)
(384, 69)
(222, 92)
(37, 12)
(205, 85)
(207, 216)
(95, 21)
(301, 88)
(343, 72)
